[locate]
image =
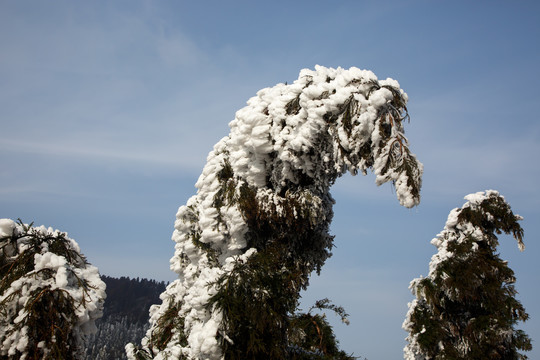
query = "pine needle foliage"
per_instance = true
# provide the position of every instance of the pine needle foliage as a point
(466, 308)
(311, 336)
(256, 299)
(44, 306)
(170, 324)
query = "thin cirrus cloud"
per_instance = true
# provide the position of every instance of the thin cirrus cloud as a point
(80, 99)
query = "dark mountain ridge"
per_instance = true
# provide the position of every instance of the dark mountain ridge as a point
(125, 316)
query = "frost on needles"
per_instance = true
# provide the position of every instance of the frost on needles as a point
(466, 307)
(258, 226)
(50, 296)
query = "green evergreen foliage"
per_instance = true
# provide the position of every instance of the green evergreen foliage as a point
(47, 293)
(311, 337)
(169, 324)
(466, 308)
(258, 297)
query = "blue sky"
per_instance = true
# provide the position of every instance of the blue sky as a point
(109, 108)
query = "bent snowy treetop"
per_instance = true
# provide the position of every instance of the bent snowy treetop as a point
(263, 202)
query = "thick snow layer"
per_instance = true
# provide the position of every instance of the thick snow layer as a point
(49, 271)
(291, 139)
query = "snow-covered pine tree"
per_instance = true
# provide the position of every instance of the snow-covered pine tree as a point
(258, 226)
(50, 295)
(466, 307)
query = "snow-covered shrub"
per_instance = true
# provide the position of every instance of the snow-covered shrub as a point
(49, 295)
(258, 226)
(466, 307)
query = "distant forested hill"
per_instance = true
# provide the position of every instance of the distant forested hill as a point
(125, 316)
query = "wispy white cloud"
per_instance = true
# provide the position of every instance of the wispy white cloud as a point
(114, 88)
(65, 149)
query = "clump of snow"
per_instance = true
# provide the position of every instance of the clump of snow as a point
(47, 271)
(6, 227)
(288, 145)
